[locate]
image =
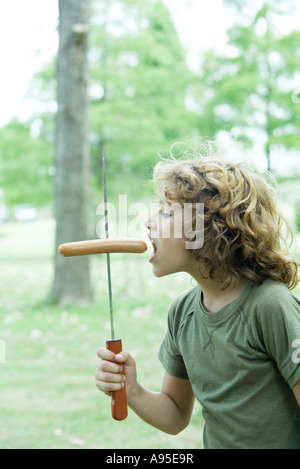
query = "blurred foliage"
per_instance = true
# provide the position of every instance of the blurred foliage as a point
(251, 85)
(138, 82)
(26, 164)
(143, 97)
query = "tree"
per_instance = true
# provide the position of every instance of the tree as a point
(250, 88)
(139, 79)
(71, 282)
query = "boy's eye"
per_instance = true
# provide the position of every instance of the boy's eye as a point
(165, 214)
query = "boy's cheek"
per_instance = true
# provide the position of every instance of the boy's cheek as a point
(154, 232)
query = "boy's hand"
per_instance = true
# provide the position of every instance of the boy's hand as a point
(108, 376)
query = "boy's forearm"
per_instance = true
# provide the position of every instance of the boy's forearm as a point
(157, 409)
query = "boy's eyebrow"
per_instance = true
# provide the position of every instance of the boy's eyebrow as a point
(162, 201)
(164, 206)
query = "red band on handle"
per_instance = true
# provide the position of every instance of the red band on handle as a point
(119, 400)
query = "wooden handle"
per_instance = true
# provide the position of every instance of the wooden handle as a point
(118, 400)
(101, 246)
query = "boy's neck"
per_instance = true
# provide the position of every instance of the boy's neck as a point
(213, 298)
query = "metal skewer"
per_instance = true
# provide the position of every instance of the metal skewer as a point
(118, 399)
(111, 314)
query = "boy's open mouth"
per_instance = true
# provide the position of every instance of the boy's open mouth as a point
(154, 250)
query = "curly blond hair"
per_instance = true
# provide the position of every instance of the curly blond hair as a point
(244, 231)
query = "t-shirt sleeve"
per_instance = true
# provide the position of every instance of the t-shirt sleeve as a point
(169, 353)
(280, 332)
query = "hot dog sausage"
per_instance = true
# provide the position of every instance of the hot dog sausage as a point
(102, 246)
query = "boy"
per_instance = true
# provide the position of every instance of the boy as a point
(233, 340)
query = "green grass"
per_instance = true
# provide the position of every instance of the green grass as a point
(48, 395)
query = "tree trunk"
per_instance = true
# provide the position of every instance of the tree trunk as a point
(71, 279)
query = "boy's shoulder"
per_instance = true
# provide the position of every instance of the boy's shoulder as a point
(186, 299)
(271, 302)
(271, 292)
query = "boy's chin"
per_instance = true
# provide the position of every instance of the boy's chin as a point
(157, 272)
(160, 273)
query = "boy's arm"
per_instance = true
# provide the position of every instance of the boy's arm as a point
(169, 410)
(296, 391)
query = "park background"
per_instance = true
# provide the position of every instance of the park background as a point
(156, 72)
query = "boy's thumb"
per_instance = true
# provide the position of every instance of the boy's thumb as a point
(123, 357)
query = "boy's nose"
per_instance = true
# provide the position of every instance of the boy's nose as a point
(151, 224)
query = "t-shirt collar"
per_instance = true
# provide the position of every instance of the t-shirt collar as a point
(224, 313)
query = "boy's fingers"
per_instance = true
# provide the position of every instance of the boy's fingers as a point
(105, 354)
(109, 367)
(108, 387)
(108, 377)
(122, 357)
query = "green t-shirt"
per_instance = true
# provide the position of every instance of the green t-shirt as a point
(242, 362)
